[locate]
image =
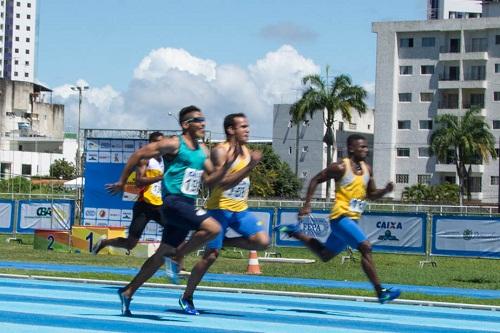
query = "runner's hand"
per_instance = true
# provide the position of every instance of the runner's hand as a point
(255, 156)
(114, 188)
(304, 211)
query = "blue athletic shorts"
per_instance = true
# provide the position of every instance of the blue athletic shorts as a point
(244, 223)
(344, 231)
(181, 216)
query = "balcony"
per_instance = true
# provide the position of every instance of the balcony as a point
(451, 168)
(458, 112)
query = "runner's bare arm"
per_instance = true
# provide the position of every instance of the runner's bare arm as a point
(372, 192)
(140, 175)
(333, 171)
(167, 146)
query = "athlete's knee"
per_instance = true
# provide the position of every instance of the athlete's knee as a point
(211, 256)
(365, 248)
(211, 227)
(131, 243)
(260, 241)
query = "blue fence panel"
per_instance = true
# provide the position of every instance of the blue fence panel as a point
(45, 214)
(6, 216)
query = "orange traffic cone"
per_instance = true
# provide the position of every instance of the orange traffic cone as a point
(253, 263)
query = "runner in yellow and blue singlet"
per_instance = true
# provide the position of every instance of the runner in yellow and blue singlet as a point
(354, 184)
(228, 204)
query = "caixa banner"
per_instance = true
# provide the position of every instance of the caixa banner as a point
(471, 236)
(44, 214)
(396, 232)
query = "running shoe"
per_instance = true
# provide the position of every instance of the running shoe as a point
(172, 268)
(125, 302)
(387, 295)
(288, 229)
(97, 246)
(188, 306)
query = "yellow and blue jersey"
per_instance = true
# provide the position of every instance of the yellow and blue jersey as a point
(152, 193)
(234, 199)
(350, 192)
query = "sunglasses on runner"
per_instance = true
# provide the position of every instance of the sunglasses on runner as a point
(195, 120)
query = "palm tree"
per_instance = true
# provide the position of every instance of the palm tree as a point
(466, 140)
(339, 95)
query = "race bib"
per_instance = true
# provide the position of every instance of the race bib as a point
(191, 181)
(239, 191)
(357, 205)
(155, 189)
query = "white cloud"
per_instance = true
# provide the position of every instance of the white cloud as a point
(168, 79)
(370, 89)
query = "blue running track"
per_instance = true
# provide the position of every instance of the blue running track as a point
(53, 306)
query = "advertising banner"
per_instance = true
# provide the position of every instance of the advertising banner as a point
(104, 162)
(387, 232)
(471, 236)
(6, 216)
(44, 214)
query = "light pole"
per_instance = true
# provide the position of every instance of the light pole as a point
(80, 90)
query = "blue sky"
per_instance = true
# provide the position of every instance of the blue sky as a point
(205, 51)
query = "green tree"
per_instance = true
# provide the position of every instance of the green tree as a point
(272, 177)
(443, 193)
(339, 95)
(62, 169)
(467, 140)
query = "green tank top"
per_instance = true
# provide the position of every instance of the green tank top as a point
(182, 174)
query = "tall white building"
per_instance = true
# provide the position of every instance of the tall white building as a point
(17, 39)
(431, 67)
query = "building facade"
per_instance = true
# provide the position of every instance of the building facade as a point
(301, 146)
(427, 68)
(17, 39)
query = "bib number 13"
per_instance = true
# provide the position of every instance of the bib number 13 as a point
(191, 181)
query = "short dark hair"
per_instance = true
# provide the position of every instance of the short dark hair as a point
(154, 136)
(187, 110)
(354, 137)
(229, 120)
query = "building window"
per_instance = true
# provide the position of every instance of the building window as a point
(475, 184)
(341, 126)
(428, 42)
(16, 50)
(497, 39)
(402, 178)
(289, 150)
(405, 70)
(29, 5)
(405, 97)
(403, 152)
(17, 39)
(423, 152)
(404, 124)
(426, 97)
(305, 149)
(17, 27)
(427, 69)
(26, 74)
(16, 62)
(28, 28)
(15, 73)
(425, 124)
(27, 63)
(496, 96)
(27, 39)
(406, 42)
(18, 4)
(27, 51)
(18, 15)
(424, 179)
(497, 68)
(28, 16)
(352, 126)
(496, 124)
(26, 169)
(495, 180)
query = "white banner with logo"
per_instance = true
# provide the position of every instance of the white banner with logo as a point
(466, 236)
(41, 214)
(387, 232)
(6, 209)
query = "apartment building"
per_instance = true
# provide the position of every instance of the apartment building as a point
(445, 64)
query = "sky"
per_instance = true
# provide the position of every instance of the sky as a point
(145, 59)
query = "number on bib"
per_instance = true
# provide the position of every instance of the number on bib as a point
(239, 191)
(357, 205)
(191, 181)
